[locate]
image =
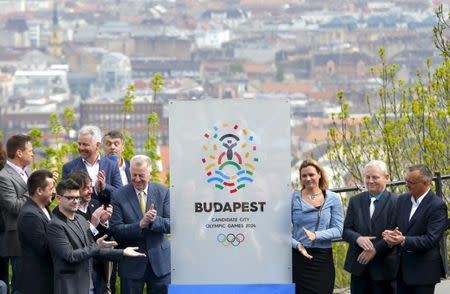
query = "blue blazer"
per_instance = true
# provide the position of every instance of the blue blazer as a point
(420, 259)
(111, 169)
(358, 223)
(152, 240)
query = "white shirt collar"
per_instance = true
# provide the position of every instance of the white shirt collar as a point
(22, 173)
(413, 200)
(97, 161)
(16, 167)
(145, 190)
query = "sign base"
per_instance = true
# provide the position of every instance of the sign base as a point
(233, 289)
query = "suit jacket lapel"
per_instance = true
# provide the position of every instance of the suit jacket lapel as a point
(40, 211)
(403, 218)
(81, 165)
(101, 164)
(364, 204)
(379, 206)
(127, 170)
(43, 216)
(133, 199)
(81, 235)
(151, 195)
(15, 176)
(419, 211)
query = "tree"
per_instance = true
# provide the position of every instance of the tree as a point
(151, 144)
(59, 150)
(406, 124)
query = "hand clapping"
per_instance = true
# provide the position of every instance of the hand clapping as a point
(149, 217)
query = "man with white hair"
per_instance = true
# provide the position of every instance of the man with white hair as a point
(142, 218)
(104, 172)
(370, 260)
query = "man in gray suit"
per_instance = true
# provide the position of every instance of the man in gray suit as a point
(13, 195)
(141, 218)
(72, 245)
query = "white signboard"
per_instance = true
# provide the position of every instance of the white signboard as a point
(230, 191)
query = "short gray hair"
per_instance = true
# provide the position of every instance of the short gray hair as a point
(92, 130)
(381, 165)
(141, 159)
(424, 171)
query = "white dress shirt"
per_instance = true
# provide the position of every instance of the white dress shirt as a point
(123, 174)
(93, 169)
(415, 204)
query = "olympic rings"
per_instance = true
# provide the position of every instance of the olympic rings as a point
(230, 239)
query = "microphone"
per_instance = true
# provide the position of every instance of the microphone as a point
(114, 158)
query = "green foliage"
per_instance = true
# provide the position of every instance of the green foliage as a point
(128, 106)
(58, 152)
(157, 83)
(342, 279)
(69, 118)
(151, 145)
(167, 181)
(36, 140)
(441, 43)
(405, 125)
(129, 150)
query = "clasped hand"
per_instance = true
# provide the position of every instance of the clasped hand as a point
(149, 217)
(369, 252)
(394, 237)
(101, 215)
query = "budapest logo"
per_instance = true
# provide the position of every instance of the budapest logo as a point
(230, 239)
(229, 157)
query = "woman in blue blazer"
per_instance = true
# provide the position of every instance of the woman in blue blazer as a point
(317, 219)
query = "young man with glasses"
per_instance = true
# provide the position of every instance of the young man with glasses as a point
(72, 246)
(98, 217)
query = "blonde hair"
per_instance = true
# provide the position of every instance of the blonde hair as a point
(323, 181)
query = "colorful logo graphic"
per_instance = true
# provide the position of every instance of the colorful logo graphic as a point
(230, 239)
(229, 157)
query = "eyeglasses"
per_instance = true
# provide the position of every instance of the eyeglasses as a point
(72, 198)
(408, 182)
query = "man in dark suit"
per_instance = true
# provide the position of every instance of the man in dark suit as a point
(141, 218)
(98, 217)
(72, 245)
(114, 145)
(36, 273)
(421, 221)
(13, 195)
(369, 259)
(104, 172)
